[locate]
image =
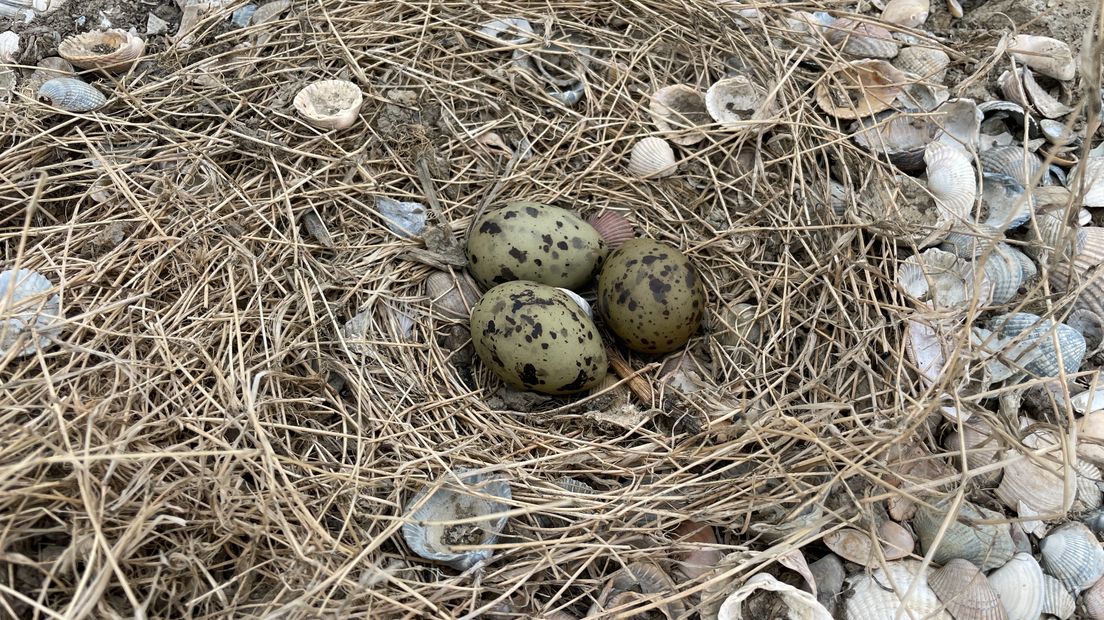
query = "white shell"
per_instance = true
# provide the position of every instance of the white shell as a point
(1093, 600)
(966, 592)
(952, 181)
(800, 604)
(108, 50)
(879, 595)
(1020, 86)
(405, 219)
(1092, 170)
(927, 62)
(1020, 586)
(987, 545)
(906, 13)
(9, 46)
(1089, 494)
(860, 38)
(961, 122)
(26, 311)
(679, 110)
(1091, 427)
(1003, 272)
(1057, 601)
(855, 545)
(329, 104)
(1072, 555)
(859, 88)
(71, 95)
(638, 582)
(1009, 205)
(509, 30)
(1048, 56)
(938, 279)
(582, 303)
(652, 157)
(459, 495)
(900, 137)
(739, 102)
(1037, 484)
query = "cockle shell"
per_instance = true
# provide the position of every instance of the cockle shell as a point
(1003, 272)
(938, 279)
(855, 545)
(1036, 484)
(960, 120)
(906, 13)
(329, 104)
(1057, 601)
(1056, 346)
(1073, 556)
(1009, 205)
(998, 110)
(1089, 493)
(679, 111)
(612, 227)
(928, 63)
(1090, 435)
(452, 295)
(738, 325)
(952, 181)
(800, 605)
(1090, 171)
(859, 88)
(922, 96)
(860, 39)
(1093, 600)
(1062, 241)
(1048, 56)
(652, 158)
(987, 545)
(640, 578)
(1019, 583)
(739, 102)
(1014, 161)
(880, 595)
(560, 64)
(459, 495)
(26, 311)
(899, 137)
(973, 241)
(71, 95)
(977, 438)
(107, 50)
(1020, 86)
(966, 592)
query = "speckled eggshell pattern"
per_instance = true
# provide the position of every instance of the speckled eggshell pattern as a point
(650, 296)
(537, 242)
(536, 338)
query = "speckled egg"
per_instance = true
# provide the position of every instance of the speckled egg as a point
(535, 337)
(533, 241)
(650, 296)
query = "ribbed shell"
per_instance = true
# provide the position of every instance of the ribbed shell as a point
(452, 296)
(860, 39)
(938, 278)
(971, 243)
(71, 95)
(1009, 206)
(927, 62)
(1092, 169)
(110, 50)
(951, 180)
(1048, 56)
(680, 110)
(966, 592)
(961, 122)
(800, 605)
(859, 88)
(983, 448)
(329, 104)
(1038, 486)
(23, 307)
(612, 227)
(1091, 426)
(652, 158)
(574, 485)
(874, 596)
(1057, 601)
(986, 545)
(1088, 486)
(906, 13)
(1048, 337)
(1061, 239)
(899, 137)
(736, 100)
(1093, 600)
(1019, 583)
(1072, 555)
(1013, 161)
(1020, 86)
(1004, 273)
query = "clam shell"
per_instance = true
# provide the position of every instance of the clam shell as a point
(854, 545)
(405, 219)
(679, 110)
(329, 104)
(1055, 346)
(71, 95)
(973, 242)
(638, 578)
(952, 182)
(960, 120)
(1090, 171)
(828, 575)
(458, 495)
(966, 592)
(982, 447)
(1091, 427)
(26, 311)
(986, 545)
(1061, 240)
(922, 96)
(453, 296)
(1072, 555)
(1013, 161)
(880, 594)
(906, 13)
(899, 137)
(1008, 204)
(1048, 56)
(1036, 484)
(860, 39)
(1057, 133)
(107, 50)
(1012, 111)
(1093, 600)
(800, 605)
(859, 88)
(1020, 86)
(612, 227)
(1019, 583)
(738, 102)
(47, 69)
(560, 64)
(937, 278)
(1057, 601)
(738, 325)
(927, 62)
(652, 158)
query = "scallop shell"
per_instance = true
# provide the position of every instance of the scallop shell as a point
(1073, 556)
(800, 605)
(452, 295)
(860, 39)
(652, 158)
(1056, 346)
(1048, 56)
(878, 595)
(906, 13)
(107, 50)
(26, 311)
(71, 95)
(1091, 427)
(1009, 205)
(966, 592)
(1013, 161)
(329, 104)
(927, 62)
(638, 578)
(899, 137)
(1092, 170)
(739, 102)
(1093, 600)
(986, 545)
(680, 110)
(1019, 583)
(458, 495)
(1020, 86)
(612, 227)
(856, 546)
(952, 181)
(859, 88)
(1057, 601)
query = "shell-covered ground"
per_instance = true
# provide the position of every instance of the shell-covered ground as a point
(250, 383)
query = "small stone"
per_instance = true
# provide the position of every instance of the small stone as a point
(156, 25)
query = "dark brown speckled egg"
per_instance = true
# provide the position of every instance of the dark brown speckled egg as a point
(650, 296)
(537, 338)
(537, 242)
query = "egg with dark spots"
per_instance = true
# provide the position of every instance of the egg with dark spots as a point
(650, 296)
(536, 338)
(537, 242)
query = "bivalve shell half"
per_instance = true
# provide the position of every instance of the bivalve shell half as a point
(1057, 601)
(1090, 171)
(800, 605)
(1055, 346)
(960, 120)
(860, 39)
(937, 278)
(680, 111)
(1090, 436)
(1003, 271)
(966, 592)
(637, 579)
(738, 325)
(1089, 493)
(1009, 205)
(1073, 556)
(738, 102)
(652, 158)
(952, 181)
(982, 446)
(859, 88)
(987, 545)
(1019, 583)
(898, 137)
(27, 311)
(890, 592)
(1048, 56)
(1020, 86)
(106, 50)
(71, 95)
(329, 104)
(906, 13)
(1036, 484)
(1014, 161)
(928, 63)
(854, 545)
(1093, 600)
(612, 227)
(453, 296)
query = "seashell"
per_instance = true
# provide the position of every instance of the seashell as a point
(71, 95)
(47, 69)
(679, 111)
(739, 102)
(457, 495)
(1093, 600)
(928, 63)
(1073, 556)
(652, 158)
(936, 278)
(1036, 484)
(25, 312)
(828, 575)
(508, 31)
(239, 18)
(1008, 204)
(1020, 87)
(800, 605)
(966, 592)
(612, 227)
(986, 545)
(1055, 346)
(1091, 428)
(452, 295)
(1089, 171)
(405, 219)
(1004, 274)
(582, 303)
(856, 546)
(1011, 111)
(704, 554)
(859, 88)
(1013, 161)
(880, 595)
(960, 120)
(1057, 601)
(920, 96)
(1057, 132)
(329, 104)
(107, 50)
(1048, 56)
(951, 181)
(9, 46)
(860, 39)
(900, 138)
(971, 243)
(738, 325)
(906, 13)
(976, 437)
(1059, 239)
(638, 578)
(1089, 493)
(1019, 583)
(559, 63)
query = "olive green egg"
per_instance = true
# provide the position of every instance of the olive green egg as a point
(536, 338)
(650, 296)
(537, 242)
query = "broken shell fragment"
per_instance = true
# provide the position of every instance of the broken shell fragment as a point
(928, 63)
(1048, 56)
(898, 137)
(960, 120)
(906, 13)
(1020, 86)
(329, 104)
(638, 581)
(1090, 171)
(859, 88)
(1008, 204)
(1057, 601)
(966, 592)
(652, 158)
(458, 496)
(1072, 555)
(1019, 583)
(106, 50)
(860, 39)
(799, 604)
(559, 63)
(405, 219)
(1034, 484)
(1090, 435)
(738, 102)
(509, 30)
(987, 545)
(9, 46)
(680, 110)
(26, 311)
(71, 95)
(612, 227)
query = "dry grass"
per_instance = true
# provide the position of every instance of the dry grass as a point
(204, 442)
